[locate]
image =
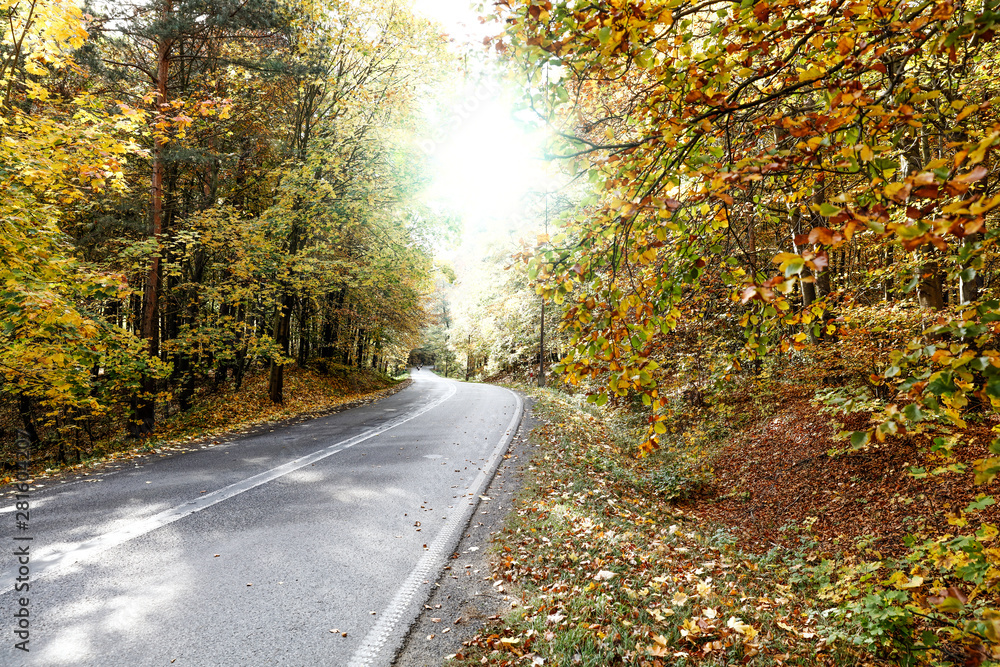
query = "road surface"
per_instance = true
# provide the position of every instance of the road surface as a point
(250, 552)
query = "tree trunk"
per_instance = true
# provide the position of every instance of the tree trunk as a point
(541, 347)
(24, 411)
(888, 286)
(145, 406)
(807, 287)
(968, 290)
(359, 360)
(331, 323)
(929, 290)
(282, 327)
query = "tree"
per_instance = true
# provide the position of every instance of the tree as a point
(835, 130)
(764, 174)
(344, 192)
(233, 167)
(174, 45)
(57, 148)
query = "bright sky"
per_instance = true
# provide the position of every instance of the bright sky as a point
(486, 163)
(457, 16)
(484, 160)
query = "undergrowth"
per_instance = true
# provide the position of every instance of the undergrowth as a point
(602, 570)
(307, 392)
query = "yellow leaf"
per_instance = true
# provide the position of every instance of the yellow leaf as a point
(812, 74)
(966, 112)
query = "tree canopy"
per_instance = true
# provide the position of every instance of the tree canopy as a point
(194, 189)
(776, 185)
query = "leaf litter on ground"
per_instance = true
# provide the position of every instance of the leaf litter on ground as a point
(601, 570)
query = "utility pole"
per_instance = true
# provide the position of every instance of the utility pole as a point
(468, 358)
(541, 329)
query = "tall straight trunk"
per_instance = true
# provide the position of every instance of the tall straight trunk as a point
(541, 347)
(222, 370)
(930, 293)
(888, 286)
(24, 411)
(345, 350)
(360, 354)
(468, 359)
(145, 406)
(282, 328)
(305, 335)
(331, 322)
(808, 287)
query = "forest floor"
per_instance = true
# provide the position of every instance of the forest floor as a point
(229, 413)
(614, 560)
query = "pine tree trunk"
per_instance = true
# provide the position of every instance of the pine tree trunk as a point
(282, 328)
(145, 406)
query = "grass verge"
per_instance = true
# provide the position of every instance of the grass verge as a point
(601, 569)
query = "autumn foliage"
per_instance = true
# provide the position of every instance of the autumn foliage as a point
(196, 192)
(786, 185)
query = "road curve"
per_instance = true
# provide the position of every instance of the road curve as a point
(252, 551)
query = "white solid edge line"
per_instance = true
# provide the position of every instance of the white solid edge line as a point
(433, 558)
(57, 558)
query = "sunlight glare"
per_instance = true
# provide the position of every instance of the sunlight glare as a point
(487, 165)
(457, 17)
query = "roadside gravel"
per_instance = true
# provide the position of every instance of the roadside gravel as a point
(464, 597)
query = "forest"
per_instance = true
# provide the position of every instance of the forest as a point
(753, 205)
(194, 190)
(780, 210)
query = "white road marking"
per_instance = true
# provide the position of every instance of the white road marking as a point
(432, 560)
(46, 561)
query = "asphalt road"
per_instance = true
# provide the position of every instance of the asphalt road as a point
(250, 552)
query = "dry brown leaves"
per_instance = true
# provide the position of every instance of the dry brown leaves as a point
(777, 474)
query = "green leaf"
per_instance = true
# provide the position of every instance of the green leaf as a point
(981, 503)
(942, 384)
(913, 413)
(794, 267)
